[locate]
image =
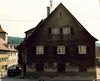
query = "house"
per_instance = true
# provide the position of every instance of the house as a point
(8, 54)
(97, 53)
(3, 56)
(58, 46)
(13, 56)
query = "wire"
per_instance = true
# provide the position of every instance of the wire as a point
(17, 20)
(86, 15)
(37, 21)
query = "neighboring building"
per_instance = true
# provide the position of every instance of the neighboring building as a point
(58, 46)
(8, 54)
(13, 56)
(98, 53)
(4, 54)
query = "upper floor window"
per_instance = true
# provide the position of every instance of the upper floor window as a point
(39, 49)
(66, 30)
(61, 49)
(55, 31)
(62, 31)
(82, 49)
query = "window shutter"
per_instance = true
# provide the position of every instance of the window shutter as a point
(61, 30)
(45, 50)
(55, 50)
(76, 49)
(87, 49)
(66, 50)
(49, 30)
(34, 50)
(71, 31)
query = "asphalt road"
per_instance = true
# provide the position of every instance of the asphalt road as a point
(20, 79)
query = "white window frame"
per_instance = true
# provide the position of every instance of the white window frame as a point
(82, 49)
(55, 31)
(39, 49)
(66, 30)
(61, 49)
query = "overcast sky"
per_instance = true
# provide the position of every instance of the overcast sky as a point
(18, 16)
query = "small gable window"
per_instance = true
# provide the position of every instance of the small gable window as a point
(60, 13)
(39, 49)
(82, 49)
(61, 49)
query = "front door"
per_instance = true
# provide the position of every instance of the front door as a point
(82, 68)
(61, 67)
(39, 67)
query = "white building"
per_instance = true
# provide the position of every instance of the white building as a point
(8, 53)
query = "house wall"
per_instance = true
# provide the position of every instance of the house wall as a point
(3, 62)
(13, 59)
(42, 38)
(79, 36)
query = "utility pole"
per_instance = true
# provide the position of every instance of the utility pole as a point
(99, 3)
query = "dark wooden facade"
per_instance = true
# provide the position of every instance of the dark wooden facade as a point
(71, 60)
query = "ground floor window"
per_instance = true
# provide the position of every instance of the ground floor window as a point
(4, 67)
(50, 67)
(39, 67)
(58, 67)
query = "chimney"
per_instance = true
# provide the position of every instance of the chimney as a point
(48, 10)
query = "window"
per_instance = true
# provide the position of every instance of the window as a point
(55, 31)
(66, 30)
(50, 67)
(60, 49)
(82, 49)
(39, 49)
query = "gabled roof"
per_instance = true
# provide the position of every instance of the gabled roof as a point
(31, 30)
(36, 28)
(1, 30)
(78, 23)
(2, 41)
(4, 46)
(44, 21)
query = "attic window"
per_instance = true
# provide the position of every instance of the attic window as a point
(60, 13)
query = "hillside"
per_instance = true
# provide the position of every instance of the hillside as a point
(97, 44)
(15, 40)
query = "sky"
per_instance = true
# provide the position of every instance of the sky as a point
(18, 16)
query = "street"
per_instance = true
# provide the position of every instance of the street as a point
(46, 79)
(15, 79)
